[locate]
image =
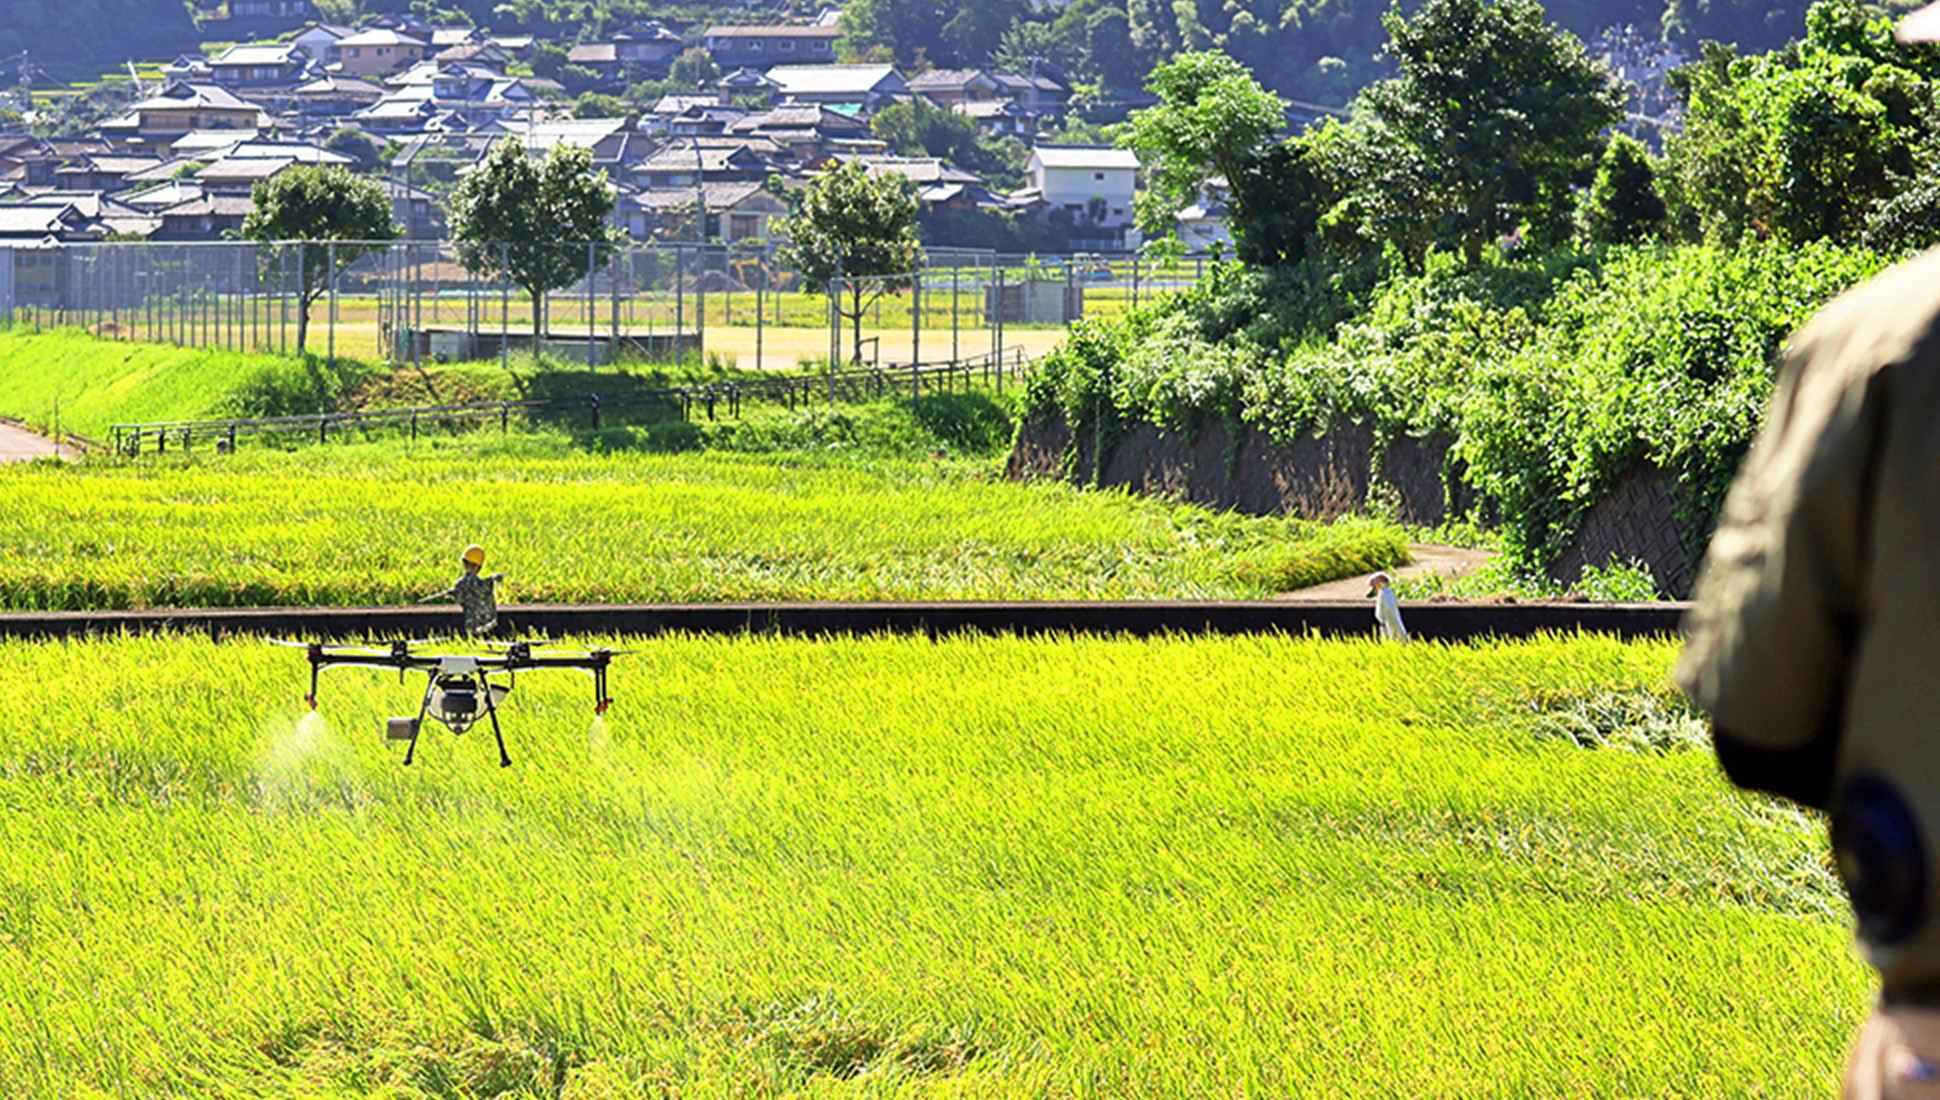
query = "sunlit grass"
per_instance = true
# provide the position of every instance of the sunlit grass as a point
(383, 524)
(893, 867)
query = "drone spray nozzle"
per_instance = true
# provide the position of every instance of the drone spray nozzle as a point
(603, 704)
(312, 700)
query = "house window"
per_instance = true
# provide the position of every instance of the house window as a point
(785, 45)
(743, 225)
(820, 45)
(1097, 175)
(754, 45)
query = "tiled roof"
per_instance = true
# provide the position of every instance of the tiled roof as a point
(784, 30)
(1085, 156)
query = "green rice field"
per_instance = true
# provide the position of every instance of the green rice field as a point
(384, 524)
(892, 867)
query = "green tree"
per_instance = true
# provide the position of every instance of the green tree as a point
(1505, 110)
(693, 68)
(369, 152)
(1212, 120)
(319, 219)
(950, 33)
(1623, 205)
(1027, 38)
(599, 105)
(1109, 53)
(919, 128)
(859, 229)
(1812, 142)
(548, 60)
(539, 224)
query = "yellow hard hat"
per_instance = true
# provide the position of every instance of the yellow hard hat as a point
(475, 554)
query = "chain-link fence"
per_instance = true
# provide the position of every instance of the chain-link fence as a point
(419, 301)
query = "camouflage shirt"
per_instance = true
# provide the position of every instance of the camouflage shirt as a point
(477, 596)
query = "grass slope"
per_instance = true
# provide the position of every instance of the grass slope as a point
(93, 383)
(891, 867)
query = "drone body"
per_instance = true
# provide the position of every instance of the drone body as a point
(459, 687)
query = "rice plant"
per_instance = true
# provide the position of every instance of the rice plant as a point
(892, 867)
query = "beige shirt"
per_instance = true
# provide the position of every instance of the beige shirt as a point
(1815, 640)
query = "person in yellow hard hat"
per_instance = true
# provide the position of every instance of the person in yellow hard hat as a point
(477, 595)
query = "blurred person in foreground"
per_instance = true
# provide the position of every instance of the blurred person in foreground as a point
(1815, 639)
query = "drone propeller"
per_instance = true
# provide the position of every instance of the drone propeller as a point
(529, 643)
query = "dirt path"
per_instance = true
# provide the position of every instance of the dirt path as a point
(17, 444)
(1449, 561)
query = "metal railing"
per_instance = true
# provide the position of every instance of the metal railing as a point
(854, 383)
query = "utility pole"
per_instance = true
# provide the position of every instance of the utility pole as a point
(1033, 99)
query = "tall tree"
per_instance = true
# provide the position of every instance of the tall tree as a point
(1623, 205)
(1212, 120)
(1505, 110)
(859, 229)
(949, 33)
(919, 128)
(540, 224)
(318, 219)
(1810, 142)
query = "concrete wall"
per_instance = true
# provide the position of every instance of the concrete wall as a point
(1324, 475)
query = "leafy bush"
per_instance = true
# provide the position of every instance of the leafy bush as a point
(1553, 374)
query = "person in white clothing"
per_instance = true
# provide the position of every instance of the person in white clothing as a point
(1387, 610)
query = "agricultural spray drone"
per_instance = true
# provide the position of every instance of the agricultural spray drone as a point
(458, 686)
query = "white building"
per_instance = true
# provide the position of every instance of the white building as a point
(1093, 184)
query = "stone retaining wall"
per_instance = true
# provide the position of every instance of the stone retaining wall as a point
(1323, 475)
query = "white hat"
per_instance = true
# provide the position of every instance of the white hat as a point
(1921, 26)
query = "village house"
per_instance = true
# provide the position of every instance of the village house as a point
(1094, 183)
(807, 131)
(332, 96)
(641, 51)
(209, 218)
(377, 51)
(867, 88)
(759, 47)
(1089, 187)
(315, 40)
(154, 124)
(265, 69)
(677, 163)
(945, 87)
(736, 210)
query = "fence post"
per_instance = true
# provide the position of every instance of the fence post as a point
(835, 325)
(333, 309)
(590, 364)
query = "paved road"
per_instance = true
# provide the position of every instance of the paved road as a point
(17, 444)
(1449, 561)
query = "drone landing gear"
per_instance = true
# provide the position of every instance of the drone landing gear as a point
(504, 759)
